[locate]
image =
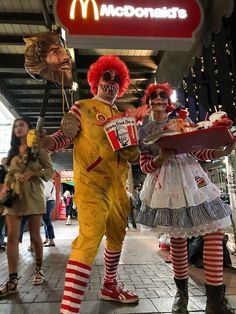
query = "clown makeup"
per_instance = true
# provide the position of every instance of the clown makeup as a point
(162, 95)
(158, 100)
(108, 86)
(107, 77)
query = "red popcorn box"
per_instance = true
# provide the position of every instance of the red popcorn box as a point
(121, 132)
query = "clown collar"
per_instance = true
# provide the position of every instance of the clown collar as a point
(105, 101)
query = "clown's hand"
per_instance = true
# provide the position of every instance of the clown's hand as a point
(164, 155)
(38, 139)
(32, 138)
(129, 153)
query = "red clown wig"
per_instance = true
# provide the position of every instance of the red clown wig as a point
(165, 87)
(104, 64)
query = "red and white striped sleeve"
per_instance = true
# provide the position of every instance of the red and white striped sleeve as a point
(59, 139)
(146, 163)
(205, 154)
(75, 109)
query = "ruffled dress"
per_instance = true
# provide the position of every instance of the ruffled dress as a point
(179, 198)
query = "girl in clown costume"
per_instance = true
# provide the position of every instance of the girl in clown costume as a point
(180, 200)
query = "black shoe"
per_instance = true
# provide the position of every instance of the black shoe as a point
(2, 248)
(181, 298)
(216, 300)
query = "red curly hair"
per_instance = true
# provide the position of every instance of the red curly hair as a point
(165, 87)
(103, 64)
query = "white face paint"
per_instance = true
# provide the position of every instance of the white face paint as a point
(109, 85)
(158, 103)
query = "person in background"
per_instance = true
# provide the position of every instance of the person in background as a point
(24, 222)
(75, 211)
(50, 197)
(26, 172)
(131, 217)
(22, 228)
(180, 200)
(3, 172)
(68, 200)
(137, 200)
(2, 224)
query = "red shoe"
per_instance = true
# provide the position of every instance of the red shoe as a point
(116, 292)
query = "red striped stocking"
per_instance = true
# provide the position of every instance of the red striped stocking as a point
(76, 280)
(111, 260)
(213, 258)
(179, 257)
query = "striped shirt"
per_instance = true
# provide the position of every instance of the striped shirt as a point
(59, 139)
(147, 164)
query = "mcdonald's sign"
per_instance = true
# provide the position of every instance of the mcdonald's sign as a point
(150, 24)
(84, 9)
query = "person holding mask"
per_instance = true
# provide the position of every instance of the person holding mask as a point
(182, 201)
(100, 176)
(26, 173)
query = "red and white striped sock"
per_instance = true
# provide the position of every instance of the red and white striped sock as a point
(213, 258)
(76, 280)
(111, 260)
(179, 257)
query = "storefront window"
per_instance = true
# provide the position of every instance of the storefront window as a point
(6, 120)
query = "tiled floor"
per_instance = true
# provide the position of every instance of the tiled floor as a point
(141, 269)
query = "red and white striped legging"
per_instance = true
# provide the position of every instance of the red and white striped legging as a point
(76, 279)
(179, 257)
(212, 258)
(111, 261)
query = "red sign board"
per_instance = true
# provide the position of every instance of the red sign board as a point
(138, 24)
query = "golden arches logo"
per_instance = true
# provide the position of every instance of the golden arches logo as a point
(84, 9)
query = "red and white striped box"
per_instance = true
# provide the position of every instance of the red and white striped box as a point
(121, 132)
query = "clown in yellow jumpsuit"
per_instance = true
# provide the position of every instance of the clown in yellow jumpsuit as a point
(100, 188)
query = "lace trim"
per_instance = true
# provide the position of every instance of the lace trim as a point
(196, 231)
(195, 220)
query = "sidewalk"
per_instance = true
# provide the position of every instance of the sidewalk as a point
(142, 269)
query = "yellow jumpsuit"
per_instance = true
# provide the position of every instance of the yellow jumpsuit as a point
(100, 185)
